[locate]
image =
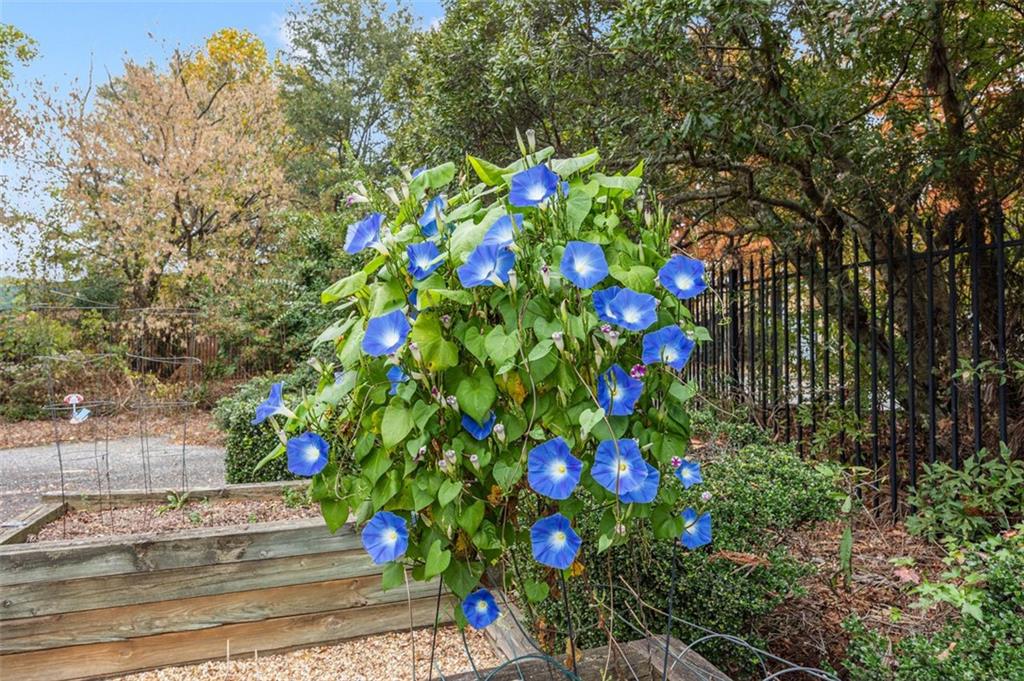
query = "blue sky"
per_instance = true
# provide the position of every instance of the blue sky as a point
(73, 37)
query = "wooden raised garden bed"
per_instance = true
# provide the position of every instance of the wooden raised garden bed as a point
(89, 608)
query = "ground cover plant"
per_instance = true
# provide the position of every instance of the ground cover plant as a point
(509, 352)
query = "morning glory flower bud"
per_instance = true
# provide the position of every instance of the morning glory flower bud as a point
(545, 275)
(435, 393)
(405, 190)
(638, 371)
(513, 280)
(452, 401)
(676, 462)
(557, 337)
(393, 196)
(420, 454)
(606, 329)
(620, 529)
(474, 459)
(442, 464)
(499, 431)
(360, 187)
(414, 348)
(531, 140)
(406, 174)
(446, 320)
(705, 496)
(449, 455)
(613, 337)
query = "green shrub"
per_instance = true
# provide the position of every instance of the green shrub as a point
(246, 444)
(982, 498)
(734, 430)
(973, 648)
(757, 492)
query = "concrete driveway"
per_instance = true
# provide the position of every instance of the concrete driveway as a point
(94, 467)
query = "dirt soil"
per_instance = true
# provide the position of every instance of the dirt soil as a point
(160, 518)
(386, 657)
(808, 629)
(198, 430)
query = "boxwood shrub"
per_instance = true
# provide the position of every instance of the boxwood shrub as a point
(246, 444)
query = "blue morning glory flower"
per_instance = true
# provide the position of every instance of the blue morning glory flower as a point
(683, 277)
(646, 492)
(272, 406)
(417, 171)
(385, 334)
(533, 186)
(364, 233)
(396, 376)
(602, 303)
(424, 258)
(554, 542)
(583, 264)
(669, 345)
(428, 221)
(307, 454)
(633, 311)
(617, 391)
(486, 266)
(619, 471)
(503, 231)
(479, 431)
(696, 531)
(385, 537)
(480, 609)
(688, 473)
(552, 470)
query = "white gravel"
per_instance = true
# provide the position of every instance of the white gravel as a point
(386, 657)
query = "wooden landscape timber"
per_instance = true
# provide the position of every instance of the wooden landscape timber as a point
(91, 608)
(133, 497)
(31, 521)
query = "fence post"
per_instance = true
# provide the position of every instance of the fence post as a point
(734, 330)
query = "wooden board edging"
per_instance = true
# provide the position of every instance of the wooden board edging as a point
(51, 598)
(266, 636)
(108, 625)
(31, 521)
(94, 557)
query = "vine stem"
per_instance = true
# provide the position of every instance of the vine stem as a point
(568, 619)
(668, 620)
(433, 639)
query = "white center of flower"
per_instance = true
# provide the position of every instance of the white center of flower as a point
(423, 263)
(582, 266)
(669, 355)
(391, 536)
(684, 282)
(557, 469)
(536, 192)
(613, 392)
(631, 315)
(623, 466)
(481, 606)
(692, 528)
(558, 539)
(390, 338)
(685, 473)
(311, 453)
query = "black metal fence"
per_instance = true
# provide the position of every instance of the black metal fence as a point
(884, 352)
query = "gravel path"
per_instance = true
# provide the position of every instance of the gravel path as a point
(386, 657)
(131, 464)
